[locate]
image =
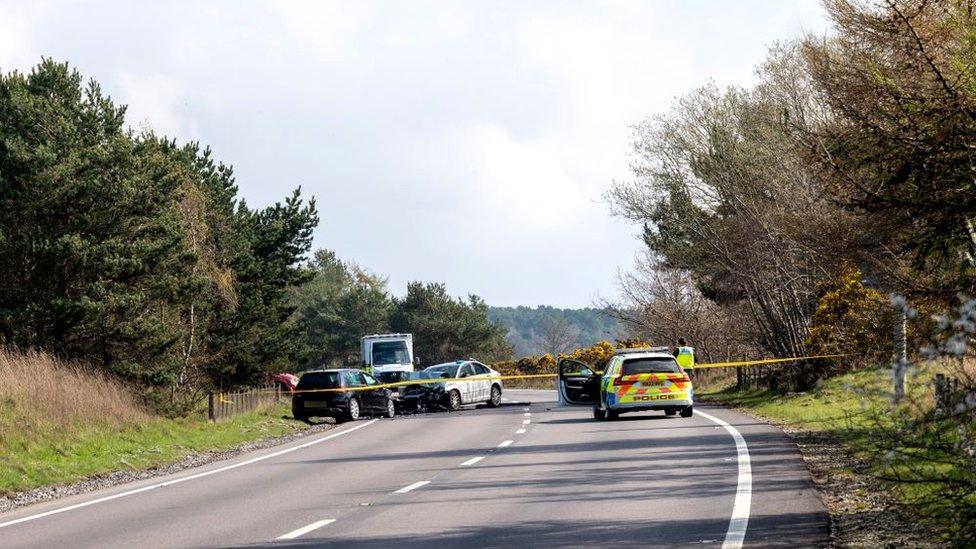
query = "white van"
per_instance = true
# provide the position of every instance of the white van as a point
(388, 353)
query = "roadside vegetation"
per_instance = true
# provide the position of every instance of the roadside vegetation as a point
(829, 209)
(61, 423)
(136, 254)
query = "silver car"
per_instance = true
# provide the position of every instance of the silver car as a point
(468, 382)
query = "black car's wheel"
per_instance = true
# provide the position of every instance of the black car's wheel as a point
(598, 413)
(352, 414)
(453, 400)
(612, 414)
(300, 416)
(670, 412)
(390, 408)
(687, 411)
(496, 397)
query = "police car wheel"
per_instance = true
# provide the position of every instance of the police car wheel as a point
(670, 412)
(687, 411)
(612, 414)
(453, 400)
(496, 397)
(598, 413)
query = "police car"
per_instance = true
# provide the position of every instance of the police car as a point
(634, 380)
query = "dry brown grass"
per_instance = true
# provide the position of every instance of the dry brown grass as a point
(40, 392)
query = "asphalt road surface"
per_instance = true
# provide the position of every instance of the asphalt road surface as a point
(530, 475)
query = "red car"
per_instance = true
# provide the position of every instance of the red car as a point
(285, 381)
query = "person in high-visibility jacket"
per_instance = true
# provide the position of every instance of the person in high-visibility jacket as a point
(685, 356)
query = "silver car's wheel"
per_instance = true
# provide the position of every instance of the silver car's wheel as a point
(353, 413)
(453, 400)
(390, 408)
(496, 397)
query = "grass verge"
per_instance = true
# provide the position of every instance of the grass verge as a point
(841, 426)
(60, 424)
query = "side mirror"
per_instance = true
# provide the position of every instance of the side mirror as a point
(586, 372)
(416, 361)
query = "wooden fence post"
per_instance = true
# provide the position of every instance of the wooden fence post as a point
(210, 406)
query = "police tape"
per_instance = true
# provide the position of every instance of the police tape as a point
(439, 380)
(763, 361)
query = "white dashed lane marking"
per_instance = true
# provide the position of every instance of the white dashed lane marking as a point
(306, 529)
(506, 443)
(472, 461)
(412, 487)
(520, 432)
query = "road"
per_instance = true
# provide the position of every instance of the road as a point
(519, 475)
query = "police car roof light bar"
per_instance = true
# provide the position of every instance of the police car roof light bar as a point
(632, 350)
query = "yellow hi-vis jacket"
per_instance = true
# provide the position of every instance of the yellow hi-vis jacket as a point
(686, 358)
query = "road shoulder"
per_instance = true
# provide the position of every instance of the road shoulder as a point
(863, 513)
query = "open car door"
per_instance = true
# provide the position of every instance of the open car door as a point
(578, 384)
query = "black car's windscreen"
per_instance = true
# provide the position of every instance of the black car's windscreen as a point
(390, 352)
(319, 380)
(650, 366)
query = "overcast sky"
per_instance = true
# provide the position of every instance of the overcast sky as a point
(462, 142)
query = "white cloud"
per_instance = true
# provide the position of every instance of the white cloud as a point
(17, 20)
(155, 102)
(423, 128)
(526, 183)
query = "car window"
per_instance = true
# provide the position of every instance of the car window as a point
(354, 379)
(481, 369)
(450, 369)
(370, 380)
(466, 370)
(654, 365)
(319, 380)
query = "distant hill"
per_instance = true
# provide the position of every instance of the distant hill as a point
(537, 330)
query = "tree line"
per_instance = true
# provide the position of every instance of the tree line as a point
(343, 302)
(136, 254)
(779, 217)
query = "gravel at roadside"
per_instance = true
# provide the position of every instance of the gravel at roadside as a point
(97, 482)
(863, 513)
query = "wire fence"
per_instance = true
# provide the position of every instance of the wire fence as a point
(224, 405)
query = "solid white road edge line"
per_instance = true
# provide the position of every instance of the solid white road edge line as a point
(472, 461)
(736, 534)
(505, 443)
(412, 487)
(306, 529)
(184, 479)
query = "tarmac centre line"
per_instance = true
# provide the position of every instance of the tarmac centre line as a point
(306, 529)
(739, 522)
(472, 461)
(520, 432)
(184, 479)
(506, 443)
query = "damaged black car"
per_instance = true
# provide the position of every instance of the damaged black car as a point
(426, 395)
